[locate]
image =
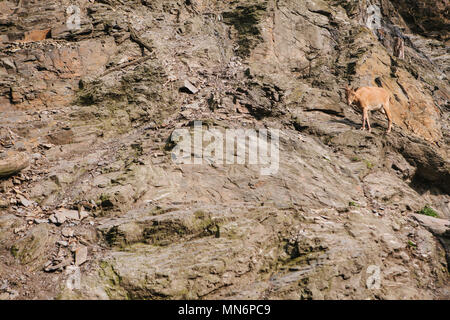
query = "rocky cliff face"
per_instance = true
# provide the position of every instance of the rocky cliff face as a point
(101, 210)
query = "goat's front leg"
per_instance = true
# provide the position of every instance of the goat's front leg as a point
(387, 111)
(367, 120)
(364, 117)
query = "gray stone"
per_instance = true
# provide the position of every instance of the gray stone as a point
(67, 232)
(24, 201)
(190, 87)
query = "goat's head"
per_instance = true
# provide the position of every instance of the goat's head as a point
(350, 95)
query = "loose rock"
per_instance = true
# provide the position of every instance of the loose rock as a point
(81, 254)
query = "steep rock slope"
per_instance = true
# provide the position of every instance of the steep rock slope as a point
(97, 128)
